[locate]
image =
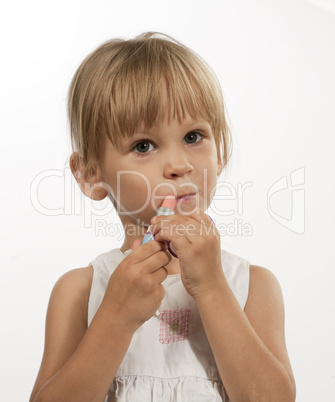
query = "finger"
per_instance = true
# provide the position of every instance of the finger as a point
(198, 217)
(168, 218)
(180, 240)
(165, 230)
(155, 262)
(202, 217)
(185, 225)
(160, 274)
(136, 244)
(147, 250)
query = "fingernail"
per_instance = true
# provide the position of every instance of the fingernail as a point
(137, 243)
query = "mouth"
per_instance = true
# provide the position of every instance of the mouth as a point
(185, 197)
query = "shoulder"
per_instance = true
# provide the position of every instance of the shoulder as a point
(72, 290)
(262, 280)
(80, 278)
(76, 281)
(260, 274)
(265, 299)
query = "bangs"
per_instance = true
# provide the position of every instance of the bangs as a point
(154, 83)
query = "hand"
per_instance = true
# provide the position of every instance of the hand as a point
(135, 291)
(197, 244)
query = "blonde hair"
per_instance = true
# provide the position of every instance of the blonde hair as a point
(126, 83)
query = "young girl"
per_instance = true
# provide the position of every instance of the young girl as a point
(139, 324)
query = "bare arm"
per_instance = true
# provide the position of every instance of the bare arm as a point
(249, 347)
(79, 363)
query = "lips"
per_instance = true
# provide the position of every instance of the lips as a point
(186, 196)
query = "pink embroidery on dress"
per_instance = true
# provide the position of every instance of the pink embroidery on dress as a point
(174, 325)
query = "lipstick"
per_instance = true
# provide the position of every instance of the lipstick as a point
(167, 208)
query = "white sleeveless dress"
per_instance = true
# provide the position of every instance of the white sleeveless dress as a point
(169, 358)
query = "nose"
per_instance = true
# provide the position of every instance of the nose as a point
(177, 165)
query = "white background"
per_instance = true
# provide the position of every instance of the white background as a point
(275, 61)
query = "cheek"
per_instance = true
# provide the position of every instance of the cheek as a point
(208, 173)
(129, 190)
(132, 188)
(133, 194)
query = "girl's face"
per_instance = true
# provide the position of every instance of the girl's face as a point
(177, 157)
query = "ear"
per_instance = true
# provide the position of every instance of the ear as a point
(91, 183)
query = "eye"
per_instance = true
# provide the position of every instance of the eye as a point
(193, 137)
(142, 147)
